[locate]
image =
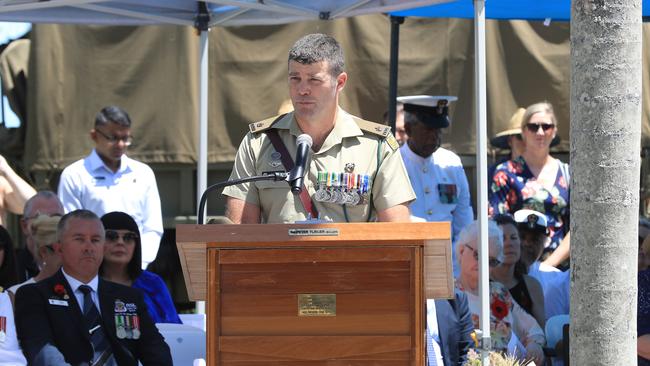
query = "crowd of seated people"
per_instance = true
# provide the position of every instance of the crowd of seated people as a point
(120, 263)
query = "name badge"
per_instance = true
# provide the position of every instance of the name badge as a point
(58, 302)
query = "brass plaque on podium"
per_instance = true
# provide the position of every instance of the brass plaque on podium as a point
(316, 304)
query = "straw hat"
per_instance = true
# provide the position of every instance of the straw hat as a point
(500, 140)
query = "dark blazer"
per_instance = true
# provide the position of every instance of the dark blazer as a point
(454, 328)
(49, 333)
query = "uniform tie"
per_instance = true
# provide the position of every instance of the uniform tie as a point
(431, 353)
(101, 347)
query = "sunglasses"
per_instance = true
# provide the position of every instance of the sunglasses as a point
(492, 262)
(112, 235)
(534, 127)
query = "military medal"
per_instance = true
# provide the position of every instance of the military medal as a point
(334, 190)
(136, 327)
(120, 332)
(3, 329)
(349, 167)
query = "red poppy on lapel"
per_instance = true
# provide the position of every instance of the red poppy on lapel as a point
(60, 291)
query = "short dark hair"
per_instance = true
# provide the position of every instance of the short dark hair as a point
(317, 47)
(112, 114)
(118, 220)
(76, 214)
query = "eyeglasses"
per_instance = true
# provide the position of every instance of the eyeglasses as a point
(534, 127)
(127, 140)
(492, 262)
(112, 235)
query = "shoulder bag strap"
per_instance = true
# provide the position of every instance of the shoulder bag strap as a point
(288, 165)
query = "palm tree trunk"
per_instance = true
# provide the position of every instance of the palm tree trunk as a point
(605, 162)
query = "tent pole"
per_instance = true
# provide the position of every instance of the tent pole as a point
(481, 169)
(394, 60)
(202, 162)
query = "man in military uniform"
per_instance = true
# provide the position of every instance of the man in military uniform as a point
(437, 174)
(355, 171)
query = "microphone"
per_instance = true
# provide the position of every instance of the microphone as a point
(297, 174)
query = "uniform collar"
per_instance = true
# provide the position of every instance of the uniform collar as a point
(95, 162)
(409, 154)
(343, 127)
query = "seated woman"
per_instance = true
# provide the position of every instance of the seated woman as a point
(508, 321)
(122, 258)
(513, 273)
(8, 270)
(43, 229)
(10, 352)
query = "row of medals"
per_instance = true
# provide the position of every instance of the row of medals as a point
(342, 188)
(127, 326)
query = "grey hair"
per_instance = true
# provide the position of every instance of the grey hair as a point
(48, 195)
(318, 47)
(469, 234)
(78, 214)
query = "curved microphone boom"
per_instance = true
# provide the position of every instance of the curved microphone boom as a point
(297, 174)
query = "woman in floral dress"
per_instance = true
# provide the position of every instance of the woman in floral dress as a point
(511, 326)
(536, 181)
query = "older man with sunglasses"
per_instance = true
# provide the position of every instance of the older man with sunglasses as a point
(107, 180)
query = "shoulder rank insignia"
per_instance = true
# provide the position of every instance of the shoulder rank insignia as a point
(392, 142)
(380, 130)
(265, 124)
(372, 127)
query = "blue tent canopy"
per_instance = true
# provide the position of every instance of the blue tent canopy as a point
(556, 10)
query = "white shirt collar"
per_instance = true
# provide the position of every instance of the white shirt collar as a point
(409, 154)
(95, 162)
(75, 283)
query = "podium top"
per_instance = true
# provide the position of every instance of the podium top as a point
(220, 236)
(194, 241)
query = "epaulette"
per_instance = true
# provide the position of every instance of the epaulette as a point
(1, 289)
(265, 124)
(378, 129)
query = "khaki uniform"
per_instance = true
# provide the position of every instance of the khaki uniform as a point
(347, 143)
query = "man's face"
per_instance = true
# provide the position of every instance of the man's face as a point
(81, 248)
(423, 140)
(400, 131)
(40, 206)
(111, 141)
(313, 90)
(532, 245)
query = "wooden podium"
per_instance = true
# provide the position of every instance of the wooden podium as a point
(326, 294)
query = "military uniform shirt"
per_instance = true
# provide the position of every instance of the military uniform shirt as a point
(345, 144)
(442, 191)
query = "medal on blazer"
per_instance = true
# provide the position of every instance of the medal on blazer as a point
(135, 320)
(120, 331)
(3, 329)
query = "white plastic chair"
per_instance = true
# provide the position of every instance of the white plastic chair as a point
(186, 343)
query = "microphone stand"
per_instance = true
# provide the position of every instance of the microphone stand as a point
(271, 176)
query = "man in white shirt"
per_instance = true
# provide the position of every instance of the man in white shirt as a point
(107, 180)
(436, 174)
(532, 226)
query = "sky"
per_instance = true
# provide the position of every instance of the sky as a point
(8, 32)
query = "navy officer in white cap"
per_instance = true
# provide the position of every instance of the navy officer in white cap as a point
(436, 174)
